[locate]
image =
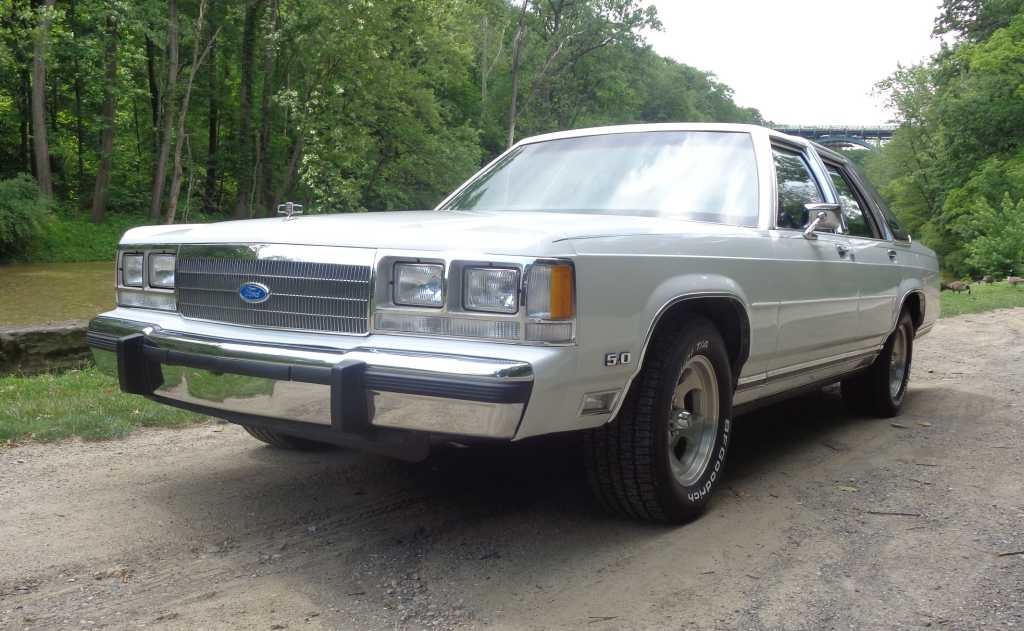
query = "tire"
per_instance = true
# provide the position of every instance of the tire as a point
(283, 441)
(881, 389)
(636, 466)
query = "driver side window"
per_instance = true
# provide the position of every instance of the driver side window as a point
(796, 188)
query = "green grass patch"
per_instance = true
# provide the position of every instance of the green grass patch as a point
(84, 403)
(982, 298)
(36, 293)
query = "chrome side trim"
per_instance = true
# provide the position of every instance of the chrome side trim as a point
(824, 361)
(794, 377)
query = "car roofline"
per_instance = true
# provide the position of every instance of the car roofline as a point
(657, 127)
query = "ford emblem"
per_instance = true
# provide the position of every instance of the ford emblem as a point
(254, 293)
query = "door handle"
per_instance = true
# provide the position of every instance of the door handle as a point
(892, 255)
(842, 249)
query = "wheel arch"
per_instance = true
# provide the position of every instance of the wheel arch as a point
(727, 313)
(915, 303)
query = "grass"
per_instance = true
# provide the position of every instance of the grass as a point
(84, 403)
(36, 293)
(982, 298)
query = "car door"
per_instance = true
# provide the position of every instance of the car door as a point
(814, 281)
(875, 259)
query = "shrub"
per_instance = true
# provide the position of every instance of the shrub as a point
(998, 248)
(69, 238)
(23, 214)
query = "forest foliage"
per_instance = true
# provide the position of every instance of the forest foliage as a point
(178, 109)
(954, 170)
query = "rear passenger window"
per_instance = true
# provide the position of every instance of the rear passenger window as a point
(796, 189)
(853, 204)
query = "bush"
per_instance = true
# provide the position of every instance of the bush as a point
(998, 248)
(69, 238)
(23, 214)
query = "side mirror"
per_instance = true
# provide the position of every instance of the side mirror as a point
(822, 217)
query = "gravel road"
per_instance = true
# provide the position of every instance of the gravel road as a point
(822, 521)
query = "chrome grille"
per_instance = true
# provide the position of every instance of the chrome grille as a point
(309, 296)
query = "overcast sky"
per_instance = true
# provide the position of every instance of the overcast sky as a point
(800, 61)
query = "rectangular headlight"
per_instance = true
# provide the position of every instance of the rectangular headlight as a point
(419, 285)
(161, 271)
(490, 289)
(131, 273)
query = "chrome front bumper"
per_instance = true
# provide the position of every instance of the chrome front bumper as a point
(341, 396)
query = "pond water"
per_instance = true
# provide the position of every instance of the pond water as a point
(37, 293)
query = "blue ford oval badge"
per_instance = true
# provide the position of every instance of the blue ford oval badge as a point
(254, 293)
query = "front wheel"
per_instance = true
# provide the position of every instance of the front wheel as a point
(660, 458)
(881, 389)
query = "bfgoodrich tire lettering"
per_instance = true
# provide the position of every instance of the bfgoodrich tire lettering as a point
(638, 464)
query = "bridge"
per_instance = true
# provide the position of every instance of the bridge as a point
(869, 137)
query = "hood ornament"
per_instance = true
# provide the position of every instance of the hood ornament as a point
(289, 210)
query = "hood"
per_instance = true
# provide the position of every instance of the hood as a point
(510, 233)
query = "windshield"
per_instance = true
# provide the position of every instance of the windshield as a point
(701, 175)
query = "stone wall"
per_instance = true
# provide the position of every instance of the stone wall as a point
(36, 349)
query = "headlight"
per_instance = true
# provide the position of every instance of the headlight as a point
(131, 273)
(161, 271)
(419, 285)
(494, 290)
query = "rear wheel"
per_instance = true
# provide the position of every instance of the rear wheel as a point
(880, 391)
(660, 458)
(284, 441)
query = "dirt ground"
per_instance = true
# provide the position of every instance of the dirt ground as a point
(823, 521)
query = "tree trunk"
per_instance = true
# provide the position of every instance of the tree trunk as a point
(210, 201)
(265, 182)
(517, 54)
(244, 141)
(25, 106)
(160, 172)
(102, 189)
(79, 126)
(294, 159)
(154, 92)
(197, 61)
(40, 146)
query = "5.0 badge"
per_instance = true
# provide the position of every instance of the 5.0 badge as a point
(618, 359)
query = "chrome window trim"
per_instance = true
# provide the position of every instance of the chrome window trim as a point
(815, 166)
(855, 185)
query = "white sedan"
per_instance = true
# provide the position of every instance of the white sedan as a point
(639, 284)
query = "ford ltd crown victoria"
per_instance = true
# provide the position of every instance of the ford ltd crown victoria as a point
(641, 285)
